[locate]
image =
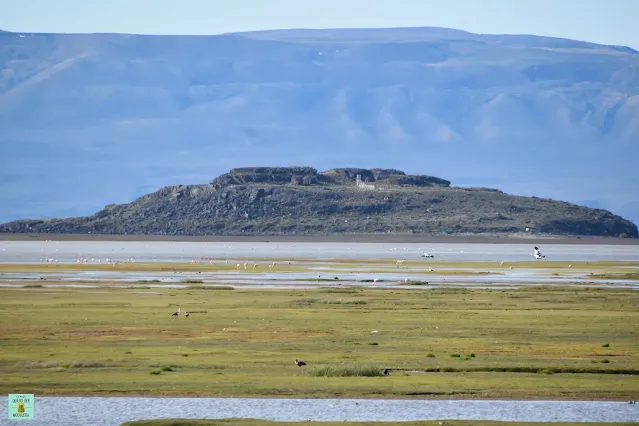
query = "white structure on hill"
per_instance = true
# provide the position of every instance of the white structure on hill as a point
(363, 185)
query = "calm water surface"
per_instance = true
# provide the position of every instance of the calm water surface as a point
(70, 411)
(158, 251)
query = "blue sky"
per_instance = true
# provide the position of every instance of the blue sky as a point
(600, 21)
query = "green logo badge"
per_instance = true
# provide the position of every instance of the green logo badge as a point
(21, 407)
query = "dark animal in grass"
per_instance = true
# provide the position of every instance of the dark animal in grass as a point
(299, 363)
(186, 314)
(176, 313)
(387, 371)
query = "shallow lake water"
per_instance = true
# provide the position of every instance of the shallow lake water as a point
(30, 252)
(113, 411)
(499, 279)
(69, 251)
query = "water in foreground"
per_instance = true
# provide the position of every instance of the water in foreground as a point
(98, 411)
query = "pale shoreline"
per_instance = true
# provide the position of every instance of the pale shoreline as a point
(434, 397)
(370, 238)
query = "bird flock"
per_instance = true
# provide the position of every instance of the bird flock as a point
(536, 253)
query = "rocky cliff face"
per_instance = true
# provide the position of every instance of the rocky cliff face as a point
(303, 201)
(310, 176)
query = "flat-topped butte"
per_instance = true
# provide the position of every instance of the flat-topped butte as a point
(342, 201)
(310, 176)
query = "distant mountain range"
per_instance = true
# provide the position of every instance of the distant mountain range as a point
(92, 119)
(301, 201)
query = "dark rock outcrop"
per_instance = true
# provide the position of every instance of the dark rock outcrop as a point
(271, 175)
(310, 176)
(301, 201)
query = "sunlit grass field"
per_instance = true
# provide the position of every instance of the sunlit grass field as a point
(537, 343)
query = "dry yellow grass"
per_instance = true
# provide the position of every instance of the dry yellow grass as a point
(243, 342)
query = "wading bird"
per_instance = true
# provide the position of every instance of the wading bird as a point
(176, 313)
(299, 363)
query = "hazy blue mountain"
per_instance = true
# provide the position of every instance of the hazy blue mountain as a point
(94, 119)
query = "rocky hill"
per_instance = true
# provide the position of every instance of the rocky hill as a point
(302, 201)
(92, 119)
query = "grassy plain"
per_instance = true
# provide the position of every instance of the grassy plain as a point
(537, 343)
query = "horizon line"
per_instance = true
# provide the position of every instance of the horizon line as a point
(314, 29)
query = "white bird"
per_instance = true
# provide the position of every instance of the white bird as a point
(537, 253)
(176, 313)
(427, 255)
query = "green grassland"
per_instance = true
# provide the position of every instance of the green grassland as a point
(257, 422)
(541, 343)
